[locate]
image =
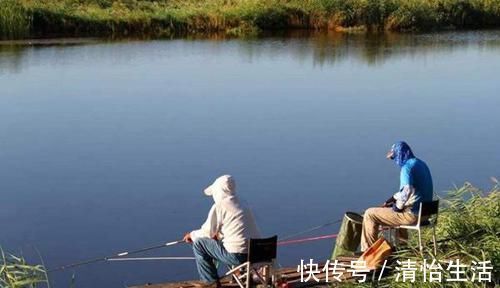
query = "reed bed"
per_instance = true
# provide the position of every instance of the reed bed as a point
(468, 229)
(16, 273)
(14, 20)
(157, 18)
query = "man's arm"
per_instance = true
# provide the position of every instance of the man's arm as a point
(208, 229)
(402, 197)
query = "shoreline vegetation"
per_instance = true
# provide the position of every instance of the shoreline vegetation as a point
(15, 272)
(166, 18)
(468, 229)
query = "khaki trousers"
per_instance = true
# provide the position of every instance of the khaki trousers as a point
(374, 217)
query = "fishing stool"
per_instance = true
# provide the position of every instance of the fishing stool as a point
(260, 262)
(427, 217)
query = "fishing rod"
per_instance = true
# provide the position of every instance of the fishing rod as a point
(119, 256)
(280, 243)
(115, 256)
(311, 229)
(298, 241)
(150, 258)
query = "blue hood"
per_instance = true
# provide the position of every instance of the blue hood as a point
(402, 153)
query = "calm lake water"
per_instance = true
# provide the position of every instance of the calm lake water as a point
(107, 146)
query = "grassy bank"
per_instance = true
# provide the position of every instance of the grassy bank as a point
(468, 229)
(42, 18)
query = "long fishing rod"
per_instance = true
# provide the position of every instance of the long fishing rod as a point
(115, 256)
(118, 256)
(298, 241)
(280, 243)
(311, 229)
(150, 258)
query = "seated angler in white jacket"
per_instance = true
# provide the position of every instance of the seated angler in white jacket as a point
(224, 235)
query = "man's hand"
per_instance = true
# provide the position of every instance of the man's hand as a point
(187, 238)
(389, 202)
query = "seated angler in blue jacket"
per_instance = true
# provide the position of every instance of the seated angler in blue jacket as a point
(402, 208)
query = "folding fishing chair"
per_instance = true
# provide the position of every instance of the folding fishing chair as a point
(427, 217)
(261, 254)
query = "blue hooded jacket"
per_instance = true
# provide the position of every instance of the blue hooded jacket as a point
(415, 173)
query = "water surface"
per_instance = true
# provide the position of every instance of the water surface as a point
(106, 146)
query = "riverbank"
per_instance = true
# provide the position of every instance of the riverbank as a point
(162, 18)
(467, 229)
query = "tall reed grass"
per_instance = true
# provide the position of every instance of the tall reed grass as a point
(14, 20)
(468, 229)
(168, 17)
(16, 273)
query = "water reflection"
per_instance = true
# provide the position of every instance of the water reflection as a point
(329, 48)
(317, 48)
(11, 58)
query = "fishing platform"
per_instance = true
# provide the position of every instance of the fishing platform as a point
(288, 275)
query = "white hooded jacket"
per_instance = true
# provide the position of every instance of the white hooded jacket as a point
(228, 219)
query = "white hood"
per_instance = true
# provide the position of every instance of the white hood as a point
(230, 221)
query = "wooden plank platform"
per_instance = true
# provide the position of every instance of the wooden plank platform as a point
(290, 274)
